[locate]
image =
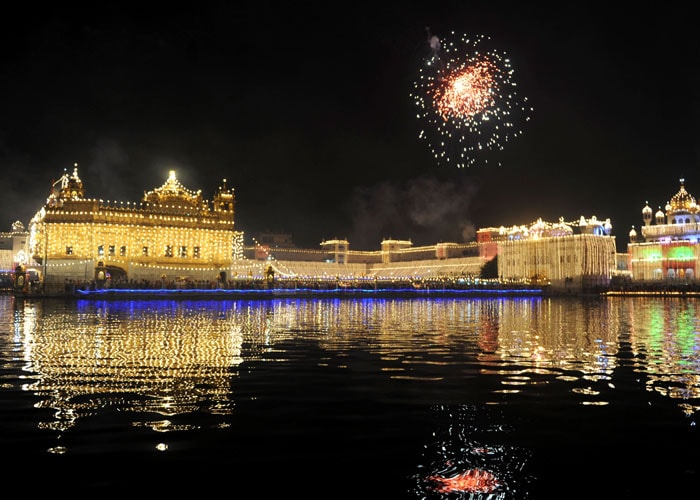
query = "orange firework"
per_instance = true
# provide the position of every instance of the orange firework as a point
(467, 92)
(468, 101)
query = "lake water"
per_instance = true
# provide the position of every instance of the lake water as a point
(455, 398)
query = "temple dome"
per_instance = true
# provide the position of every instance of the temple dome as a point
(174, 195)
(683, 201)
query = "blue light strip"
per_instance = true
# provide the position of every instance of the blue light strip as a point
(281, 292)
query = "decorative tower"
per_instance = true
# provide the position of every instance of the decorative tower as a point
(660, 216)
(223, 199)
(646, 214)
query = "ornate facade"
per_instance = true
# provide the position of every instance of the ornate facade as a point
(13, 247)
(566, 255)
(173, 232)
(668, 247)
(13, 253)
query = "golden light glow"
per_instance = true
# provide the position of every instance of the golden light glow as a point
(172, 228)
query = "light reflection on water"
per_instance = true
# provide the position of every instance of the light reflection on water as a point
(186, 366)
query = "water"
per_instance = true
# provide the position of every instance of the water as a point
(351, 398)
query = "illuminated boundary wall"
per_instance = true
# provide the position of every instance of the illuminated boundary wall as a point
(569, 263)
(59, 273)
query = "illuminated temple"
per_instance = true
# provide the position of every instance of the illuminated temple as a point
(668, 247)
(171, 232)
(175, 237)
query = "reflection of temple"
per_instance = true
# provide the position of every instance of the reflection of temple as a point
(668, 247)
(158, 357)
(666, 332)
(171, 233)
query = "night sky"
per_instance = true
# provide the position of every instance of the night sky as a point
(305, 109)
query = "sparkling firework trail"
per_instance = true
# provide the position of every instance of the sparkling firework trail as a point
(468, 100)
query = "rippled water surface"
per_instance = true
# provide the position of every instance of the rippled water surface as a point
(493, 398)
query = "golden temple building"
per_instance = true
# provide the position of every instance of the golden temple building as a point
(173, 233)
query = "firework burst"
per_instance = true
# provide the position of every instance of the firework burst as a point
(467, 97)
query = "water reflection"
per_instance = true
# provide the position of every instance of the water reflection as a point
(176, 355)
(574, 341)
(469, 457)
(162, 359)
(177, 365)
(665, 340)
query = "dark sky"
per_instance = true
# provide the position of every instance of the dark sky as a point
(305, 109)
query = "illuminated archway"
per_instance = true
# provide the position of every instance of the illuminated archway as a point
(116, 274)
